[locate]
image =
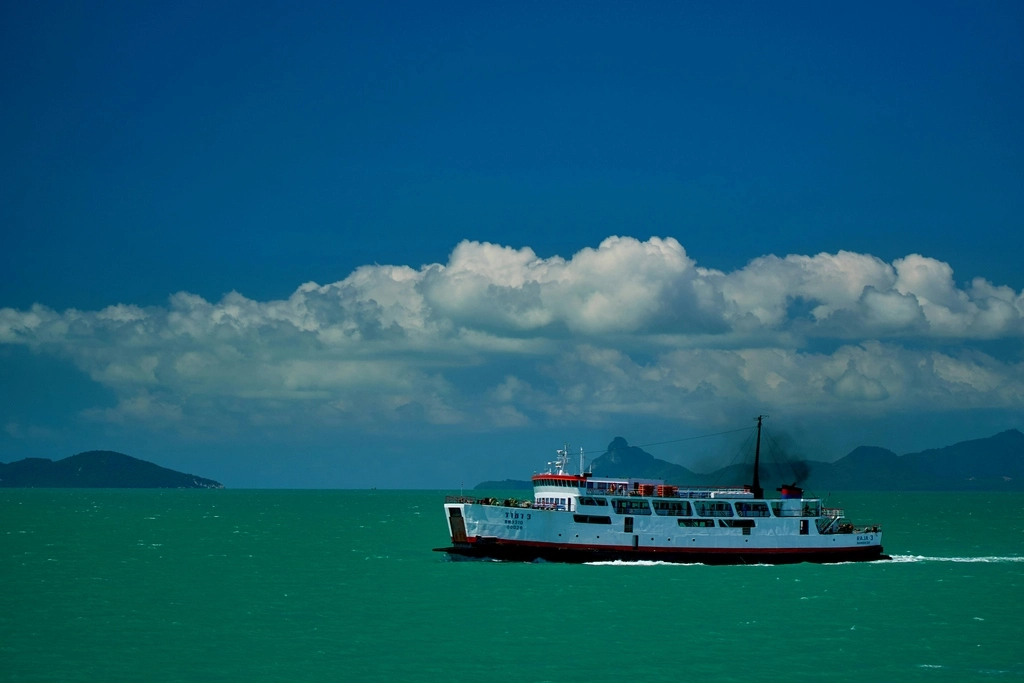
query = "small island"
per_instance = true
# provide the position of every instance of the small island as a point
(97, 469)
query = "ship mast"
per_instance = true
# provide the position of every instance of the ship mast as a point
(756, 487)
(562, 461)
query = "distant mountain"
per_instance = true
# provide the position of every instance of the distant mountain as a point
(97, 469)
(995, 463)
(623, 460)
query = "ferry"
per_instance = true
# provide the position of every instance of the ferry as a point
(585, 518)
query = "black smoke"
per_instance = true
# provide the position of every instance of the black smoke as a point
(789, 463)
(801, 470)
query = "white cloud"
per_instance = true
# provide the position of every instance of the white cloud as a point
(19, 431)
(141, 407)
(623, 286)
(393, 343)
(870, 378)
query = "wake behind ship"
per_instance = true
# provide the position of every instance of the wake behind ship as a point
(583, 518)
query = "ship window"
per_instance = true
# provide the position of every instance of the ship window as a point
(812, 508)
(631, 507)
(736, 523)
(713, 508)
(785, 508)
(592, 501)
(592, 519)
(672, 508)
(696, 522)
(752, 510)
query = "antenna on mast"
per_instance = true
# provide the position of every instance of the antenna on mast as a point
(562, 460)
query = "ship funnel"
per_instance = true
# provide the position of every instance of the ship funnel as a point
(790, 491)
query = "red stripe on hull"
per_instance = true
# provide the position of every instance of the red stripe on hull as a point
(526, 551)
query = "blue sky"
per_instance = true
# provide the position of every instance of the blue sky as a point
(834, 195)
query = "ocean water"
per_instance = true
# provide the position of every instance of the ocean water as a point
(153, 585)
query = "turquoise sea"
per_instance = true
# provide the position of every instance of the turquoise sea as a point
(197, 585)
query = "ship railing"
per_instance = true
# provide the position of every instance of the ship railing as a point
(848, 528)
(705, 492)
(500, 502)
(828, 525)
(689, 492)
(791, 513)
(835, 513)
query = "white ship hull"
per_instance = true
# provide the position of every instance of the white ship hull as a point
(527, 534)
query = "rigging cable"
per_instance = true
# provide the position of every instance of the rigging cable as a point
(744, 448)
(776, 451)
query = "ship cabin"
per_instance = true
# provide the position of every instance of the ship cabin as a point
(595, 499)
(568, 491)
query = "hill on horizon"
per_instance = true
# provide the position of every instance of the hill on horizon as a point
(97, 469)
(994, 463)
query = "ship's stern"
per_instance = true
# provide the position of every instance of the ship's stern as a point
(455, 515)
